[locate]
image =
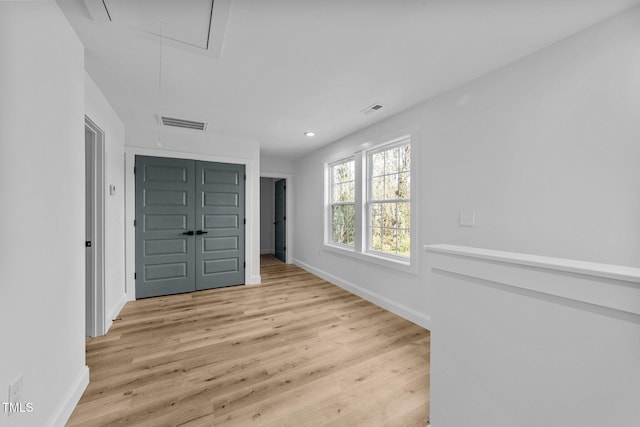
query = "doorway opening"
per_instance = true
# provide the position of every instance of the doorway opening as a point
(94, 229)
(273, 221)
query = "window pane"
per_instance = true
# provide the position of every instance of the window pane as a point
(376, 215)
(336, 174)
(376, 239)
(377, 164)
(390, 201)
(377, 188)
(389, 215)
(342, 180)
(404, 243)
(389, 240)
(343, 222)
(343, 214)
(391, 187)
(344, 192)
(343, 172)
(335, 193)
(404, 215)
(404, 185)
(391, 161)
(349, 191)
(405, 158)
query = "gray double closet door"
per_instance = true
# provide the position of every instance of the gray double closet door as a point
(190, 228)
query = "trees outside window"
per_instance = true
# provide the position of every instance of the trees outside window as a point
(342, 205)
(369, 209)
(389, 200)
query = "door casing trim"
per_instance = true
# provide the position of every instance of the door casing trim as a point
(288, 209)
(97, 321)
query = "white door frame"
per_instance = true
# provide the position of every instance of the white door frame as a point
(95, 286)
(289, 211)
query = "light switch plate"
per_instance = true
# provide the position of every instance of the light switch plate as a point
(467, 218)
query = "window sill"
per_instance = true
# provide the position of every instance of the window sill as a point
(368, 257)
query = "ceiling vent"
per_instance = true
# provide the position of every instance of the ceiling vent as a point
(371, 108)
(185, 124)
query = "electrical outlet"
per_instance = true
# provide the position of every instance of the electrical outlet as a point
(467, 218)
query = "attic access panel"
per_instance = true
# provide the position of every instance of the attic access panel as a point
(180, 21)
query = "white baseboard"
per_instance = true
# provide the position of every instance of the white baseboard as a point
(70, 400)
(266, 251)
(115, 311)
(254, 280)
(401, 310)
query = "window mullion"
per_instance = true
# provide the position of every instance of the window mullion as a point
(360, 218)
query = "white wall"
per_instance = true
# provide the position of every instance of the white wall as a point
(545, 151)
(98, 109)
(267, 215)
(42, 217)
(206, 146)
(273, 165)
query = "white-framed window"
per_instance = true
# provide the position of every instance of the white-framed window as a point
(342, 202)
(388, 202)
(369, 204)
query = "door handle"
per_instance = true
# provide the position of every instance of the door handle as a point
(199, 232)
(188, 233)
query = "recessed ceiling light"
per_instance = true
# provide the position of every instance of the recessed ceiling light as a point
(309, 134)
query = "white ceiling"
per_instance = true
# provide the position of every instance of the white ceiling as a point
(275, 69)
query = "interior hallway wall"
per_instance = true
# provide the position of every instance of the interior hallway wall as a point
(544, 151)
(42, 253)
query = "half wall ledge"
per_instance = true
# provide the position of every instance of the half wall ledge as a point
(609, 286)
(529, 341)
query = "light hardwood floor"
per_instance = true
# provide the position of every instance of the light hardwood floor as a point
(293, 351)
